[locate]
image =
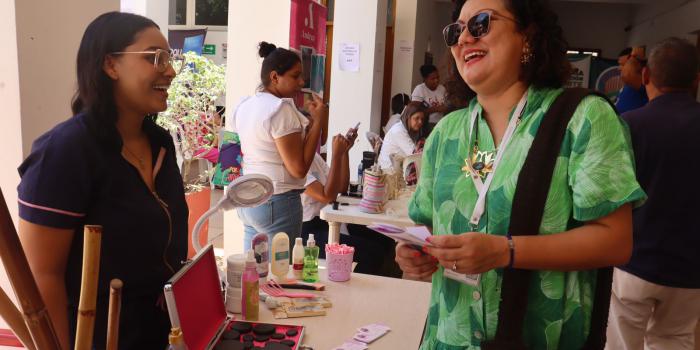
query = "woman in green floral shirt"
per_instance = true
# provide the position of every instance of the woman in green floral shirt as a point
(511, 54)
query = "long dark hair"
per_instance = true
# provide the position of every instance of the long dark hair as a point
(411, 109)
(276, 59)
(548, 68)
(108, 33)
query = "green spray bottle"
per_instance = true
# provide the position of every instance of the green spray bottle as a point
(310, 272)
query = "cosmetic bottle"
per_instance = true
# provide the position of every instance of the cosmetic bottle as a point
(279, 264)
(310, 272)
(298, 258)
(261, 249)
(250, 300)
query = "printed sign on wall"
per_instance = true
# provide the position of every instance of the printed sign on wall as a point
(581, 70)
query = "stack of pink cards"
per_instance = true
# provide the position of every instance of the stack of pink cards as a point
(413, 235)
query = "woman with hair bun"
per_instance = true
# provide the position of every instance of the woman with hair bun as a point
(278, 141)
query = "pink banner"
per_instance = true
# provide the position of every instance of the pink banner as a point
(308, 26)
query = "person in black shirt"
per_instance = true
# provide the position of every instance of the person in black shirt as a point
(656, 296)
(109, 165)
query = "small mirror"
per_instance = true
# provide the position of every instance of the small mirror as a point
(249, 191)
(246, 191)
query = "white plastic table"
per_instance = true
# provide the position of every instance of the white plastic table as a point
(396, 213)
(365, 299)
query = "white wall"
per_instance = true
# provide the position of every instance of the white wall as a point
(217, 37)
(357, 96)
(416, 23)
(245, 30)
(48, 35)
(156, 10)
(432, 17)
(134, 6)
(595, 25)
(404, 40)
(10, 133)
(662, 19)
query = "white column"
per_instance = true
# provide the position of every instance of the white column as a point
(10, 133)
(404, 47)
(357, 96)
(48, 36)
(156, 10)
(249, 22)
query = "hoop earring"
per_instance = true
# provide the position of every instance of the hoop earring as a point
(527, 54)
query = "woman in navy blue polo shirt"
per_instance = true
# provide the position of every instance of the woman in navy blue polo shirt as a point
(109, 165)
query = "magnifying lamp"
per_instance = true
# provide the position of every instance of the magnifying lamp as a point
(246, 191)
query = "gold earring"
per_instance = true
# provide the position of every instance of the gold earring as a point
(527, 54)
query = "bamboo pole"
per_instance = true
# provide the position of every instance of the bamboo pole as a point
(115, 304)
(88, 287)
(9, 313)
(30, 302)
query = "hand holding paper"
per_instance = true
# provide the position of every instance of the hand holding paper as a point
(415, 236)
(456, 253)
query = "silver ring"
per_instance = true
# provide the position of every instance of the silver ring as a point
(454, 265)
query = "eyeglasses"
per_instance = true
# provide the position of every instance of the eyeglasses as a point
(478, 26)
(162, 59)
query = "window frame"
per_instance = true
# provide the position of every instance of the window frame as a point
(190, 10)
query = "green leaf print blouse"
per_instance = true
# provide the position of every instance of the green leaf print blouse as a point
(593, 176)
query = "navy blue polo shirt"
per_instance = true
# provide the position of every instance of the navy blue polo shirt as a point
(666, 228)
(72, 178)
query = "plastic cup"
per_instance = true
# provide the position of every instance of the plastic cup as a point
(339, 266)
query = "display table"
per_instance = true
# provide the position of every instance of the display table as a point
(365, 299)
(396, 213)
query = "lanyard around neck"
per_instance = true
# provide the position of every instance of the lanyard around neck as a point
(483, 187)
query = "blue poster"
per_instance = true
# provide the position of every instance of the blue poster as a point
(193, 43)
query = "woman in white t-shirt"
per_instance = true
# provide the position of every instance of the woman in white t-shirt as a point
(403, 137)
(323, 183)
(279, 142)
(431, 93)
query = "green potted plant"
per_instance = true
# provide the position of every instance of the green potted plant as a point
(193, 121)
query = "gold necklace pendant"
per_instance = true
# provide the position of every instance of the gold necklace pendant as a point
(467, 168)
(482, 162)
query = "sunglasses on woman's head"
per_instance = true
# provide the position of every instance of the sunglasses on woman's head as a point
(477, 26)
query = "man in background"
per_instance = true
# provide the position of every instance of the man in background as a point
(633, 95)
(655, 300)
(624, 56)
